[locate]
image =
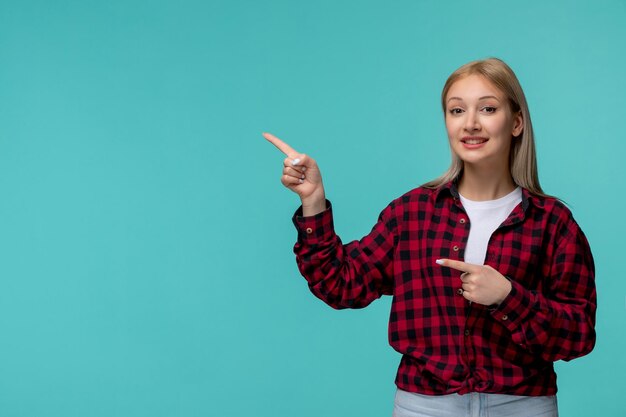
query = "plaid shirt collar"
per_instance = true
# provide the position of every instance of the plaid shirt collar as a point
(450, 189)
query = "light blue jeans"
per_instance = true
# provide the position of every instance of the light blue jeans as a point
(408, 404)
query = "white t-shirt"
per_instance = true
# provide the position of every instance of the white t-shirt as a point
(485, 217)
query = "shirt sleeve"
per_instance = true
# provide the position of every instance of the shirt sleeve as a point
(559, 322)
(345, 276)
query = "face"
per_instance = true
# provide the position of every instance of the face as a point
(480, 123)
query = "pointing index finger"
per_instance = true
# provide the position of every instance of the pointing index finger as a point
(282, 146)
(458, 265)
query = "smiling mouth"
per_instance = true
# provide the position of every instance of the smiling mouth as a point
(474, 140)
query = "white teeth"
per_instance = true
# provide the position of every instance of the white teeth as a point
(474, 141)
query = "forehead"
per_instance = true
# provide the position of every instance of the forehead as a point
(473, 87)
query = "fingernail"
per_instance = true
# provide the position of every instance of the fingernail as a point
(295, 161)
(303, 169)
(301, 181)
(439, 261)
(302, 177)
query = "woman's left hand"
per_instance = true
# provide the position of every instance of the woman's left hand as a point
(480, 283)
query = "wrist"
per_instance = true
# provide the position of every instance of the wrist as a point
(506, 292)
(313, 205)
(313, 209)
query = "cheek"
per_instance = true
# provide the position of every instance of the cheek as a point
(450, 127)
(499, 127)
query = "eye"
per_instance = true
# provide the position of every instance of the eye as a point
(455, 111)
(489, 109)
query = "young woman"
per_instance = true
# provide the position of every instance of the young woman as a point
(492, 280)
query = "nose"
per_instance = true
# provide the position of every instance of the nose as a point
(471, 122)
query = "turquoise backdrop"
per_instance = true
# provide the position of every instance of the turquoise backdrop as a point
(146, 264)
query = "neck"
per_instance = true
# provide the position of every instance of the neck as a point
(485, 184)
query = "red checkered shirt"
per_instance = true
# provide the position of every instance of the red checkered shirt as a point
(449, 344)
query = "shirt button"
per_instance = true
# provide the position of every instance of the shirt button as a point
(455, 248)
(309, 230)
(462, 221)
(467, 332)
(459, 291)
(505, 317)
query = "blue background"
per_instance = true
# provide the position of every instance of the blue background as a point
(145, 238)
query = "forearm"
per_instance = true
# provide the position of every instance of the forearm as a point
(343, 276)
(554, 330)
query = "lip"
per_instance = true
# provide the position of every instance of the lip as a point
(473, 142)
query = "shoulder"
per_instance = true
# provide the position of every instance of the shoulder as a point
(415, 203)
(552, 206)
(558, 216)
(549, 204)
(418, 196)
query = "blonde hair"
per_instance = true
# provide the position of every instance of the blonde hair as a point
(523, 160)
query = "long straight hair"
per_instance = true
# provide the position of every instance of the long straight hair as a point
(522, 159)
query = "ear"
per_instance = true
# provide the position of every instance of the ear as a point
(518, 124)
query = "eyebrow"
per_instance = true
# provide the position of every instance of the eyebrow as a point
(481, 98)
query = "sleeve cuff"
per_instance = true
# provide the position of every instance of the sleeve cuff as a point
(515, 308)
(314, 228)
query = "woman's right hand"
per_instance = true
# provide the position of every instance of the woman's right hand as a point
(302, 176)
